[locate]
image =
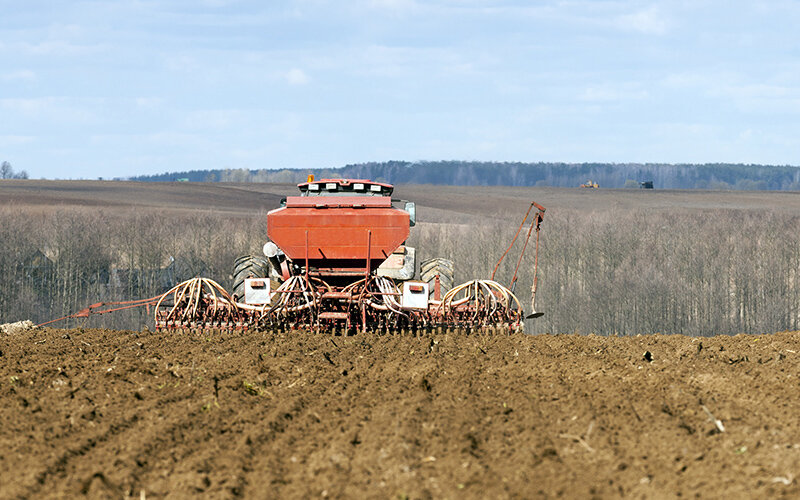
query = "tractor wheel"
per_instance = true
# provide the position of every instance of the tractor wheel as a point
(428, 270)
(247, 266)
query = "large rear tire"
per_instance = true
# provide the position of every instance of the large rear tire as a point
(428, 270)
(247, 266)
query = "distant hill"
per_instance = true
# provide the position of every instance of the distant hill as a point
(463, 173)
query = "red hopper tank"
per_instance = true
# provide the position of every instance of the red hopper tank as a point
(342, 227)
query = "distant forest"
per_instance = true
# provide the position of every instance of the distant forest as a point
(718, 176)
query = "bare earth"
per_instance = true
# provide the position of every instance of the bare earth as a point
(110, 414)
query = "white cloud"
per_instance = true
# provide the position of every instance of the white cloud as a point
(218, 3)
(393, 4)
(54, 109)
(166, 138)
(742, 90)
(28, 107)
(686, 80)
(403, 62)
(183, 63)
(296, 76)
(144, 66)
(56, 48)
(148, 102)
(214, 119)
(19, 75)
(759, 91)
(609, 93)
(15, 140)
(686, 130)
(761, 98)
(289, 127)
(650, 21)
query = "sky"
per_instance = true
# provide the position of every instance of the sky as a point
(120, 88)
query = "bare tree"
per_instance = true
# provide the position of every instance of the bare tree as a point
(6, 171)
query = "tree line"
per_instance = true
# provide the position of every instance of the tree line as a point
(715, 176)
(605, 272)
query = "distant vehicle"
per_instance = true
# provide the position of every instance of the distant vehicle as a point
(646, 185)
(591, 185)
(182, 179)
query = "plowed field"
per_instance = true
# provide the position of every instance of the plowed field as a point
(113, 414)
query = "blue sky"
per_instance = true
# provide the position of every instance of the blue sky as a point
(118, 88)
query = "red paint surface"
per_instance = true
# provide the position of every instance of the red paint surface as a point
(338, 229)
